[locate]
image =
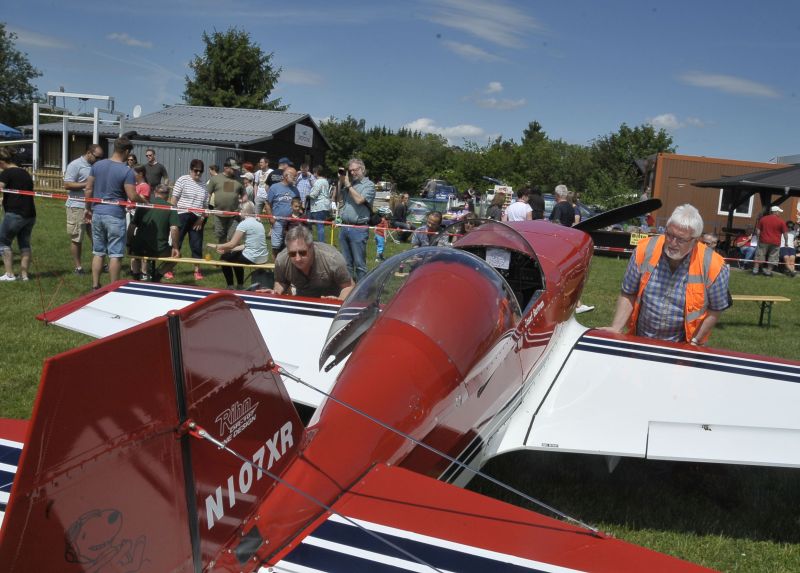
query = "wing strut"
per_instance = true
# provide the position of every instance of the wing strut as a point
(595, 531)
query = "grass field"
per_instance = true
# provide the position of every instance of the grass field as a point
(724, 517)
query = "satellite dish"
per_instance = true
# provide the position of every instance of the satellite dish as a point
(137, 111)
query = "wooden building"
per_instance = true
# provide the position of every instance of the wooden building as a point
(670, 177)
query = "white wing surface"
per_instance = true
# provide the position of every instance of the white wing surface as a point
(294, 329)
(628, 396)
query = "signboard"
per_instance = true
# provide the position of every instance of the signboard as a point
(636, 237)
(303, 135)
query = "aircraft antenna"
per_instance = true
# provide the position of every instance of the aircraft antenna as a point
(200, 433)
(438, 452)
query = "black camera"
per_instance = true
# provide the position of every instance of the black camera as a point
(342, 171)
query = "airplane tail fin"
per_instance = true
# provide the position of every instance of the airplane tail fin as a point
(110, 478)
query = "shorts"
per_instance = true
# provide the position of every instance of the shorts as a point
(75, 224)
(108, 236)
(788, 252)
(19, 227)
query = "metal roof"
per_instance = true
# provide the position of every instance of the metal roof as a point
(785, 180)
(199, 124)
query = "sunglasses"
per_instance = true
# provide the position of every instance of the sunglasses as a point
(301, 253)
(197, 170)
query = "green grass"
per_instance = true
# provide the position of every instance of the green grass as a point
(730, 518)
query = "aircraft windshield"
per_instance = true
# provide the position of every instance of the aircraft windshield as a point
(378, 288)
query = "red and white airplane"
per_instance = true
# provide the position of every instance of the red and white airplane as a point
(439, 360)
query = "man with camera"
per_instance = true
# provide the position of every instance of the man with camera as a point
(357, 193)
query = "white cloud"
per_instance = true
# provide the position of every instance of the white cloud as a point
(497, 21)
(671, 121)
(665, 121)
(729, 84)
(298, 77)
(503, 104)
(127, 40)
(461, 131)
(494, 87)
(695, 122)
(36, 40)
(469, 51)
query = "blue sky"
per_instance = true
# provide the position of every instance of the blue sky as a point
(719, 76)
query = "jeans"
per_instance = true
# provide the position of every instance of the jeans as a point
(320, 216)
(15, 225)
(185, 223)
(353, 244)
(380, 242)
(108, 236)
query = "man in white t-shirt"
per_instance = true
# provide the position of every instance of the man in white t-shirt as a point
(519, 210)
(260, 183)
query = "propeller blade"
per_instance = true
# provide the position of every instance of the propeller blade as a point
(618, 215)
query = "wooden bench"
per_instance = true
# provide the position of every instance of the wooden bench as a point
(766, 304)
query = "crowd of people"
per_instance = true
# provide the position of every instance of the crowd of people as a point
(296, 204)
(290, 201)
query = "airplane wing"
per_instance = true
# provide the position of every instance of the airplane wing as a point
(433, 523)
(294, 328)
(623, 395)
(112, 476)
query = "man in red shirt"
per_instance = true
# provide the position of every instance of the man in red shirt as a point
(769, 230)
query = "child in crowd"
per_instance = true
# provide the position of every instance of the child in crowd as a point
(297, 213)
(142, 188)
(380, 237)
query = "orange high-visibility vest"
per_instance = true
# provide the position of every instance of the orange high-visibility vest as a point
(704, 267)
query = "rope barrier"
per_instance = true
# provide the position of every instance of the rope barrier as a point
(202, 211)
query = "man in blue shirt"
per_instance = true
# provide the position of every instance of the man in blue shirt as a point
(279, 206)
(358, 193)
(110, 180)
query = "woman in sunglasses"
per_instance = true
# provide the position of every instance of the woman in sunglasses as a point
(189, 193)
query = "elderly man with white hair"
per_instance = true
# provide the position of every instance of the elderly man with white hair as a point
(563, 212)
(675, 287)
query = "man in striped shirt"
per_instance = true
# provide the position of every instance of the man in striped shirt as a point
(674, 288)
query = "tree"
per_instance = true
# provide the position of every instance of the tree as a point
(616, 177)
(16, 91)
(346, 137)
(233, 72)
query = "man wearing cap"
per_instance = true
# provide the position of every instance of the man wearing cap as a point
(770, 229)
(226, 193)
(675, 287)
(276, 176)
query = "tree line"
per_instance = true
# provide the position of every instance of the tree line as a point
(604, 172)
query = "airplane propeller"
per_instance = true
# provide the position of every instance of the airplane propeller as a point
(618, 215)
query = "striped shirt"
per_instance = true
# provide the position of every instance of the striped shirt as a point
(663, 305)
(189, 193)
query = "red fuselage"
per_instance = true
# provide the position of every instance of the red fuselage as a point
(444, 362)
